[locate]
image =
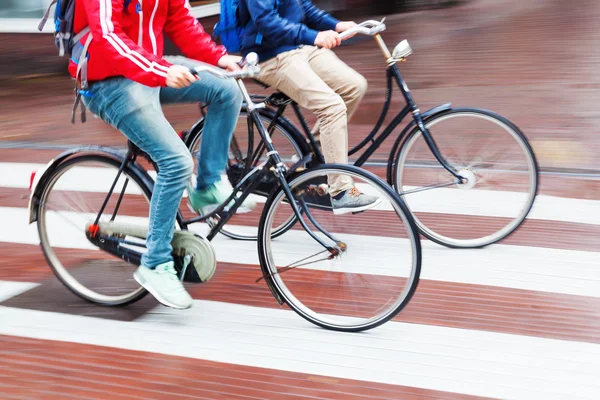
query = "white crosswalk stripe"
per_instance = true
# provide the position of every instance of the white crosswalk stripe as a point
(493, 204)
(474, 361)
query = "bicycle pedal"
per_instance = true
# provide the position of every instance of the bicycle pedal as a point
(196, 261)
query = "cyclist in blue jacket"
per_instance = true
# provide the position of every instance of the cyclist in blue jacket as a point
(293, 39)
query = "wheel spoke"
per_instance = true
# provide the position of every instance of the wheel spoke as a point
(366, 280)
(501, 172)
(63, 215)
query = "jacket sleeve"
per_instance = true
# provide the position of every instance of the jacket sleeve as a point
(317, 18)
(188, 35)
(121, 54)
(280, 31)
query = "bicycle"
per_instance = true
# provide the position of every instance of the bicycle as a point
(433, 163)
(91, 209)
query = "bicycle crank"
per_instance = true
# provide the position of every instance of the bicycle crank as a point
(194, 256)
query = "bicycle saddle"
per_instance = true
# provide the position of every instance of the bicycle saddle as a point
(278, 98)
(138, 152)
(261, 83)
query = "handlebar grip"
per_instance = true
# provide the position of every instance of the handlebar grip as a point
(250, 65)
(193, 72)
(368, 28)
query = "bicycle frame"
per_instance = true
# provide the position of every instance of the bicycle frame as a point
(245, 187)
(393, 75)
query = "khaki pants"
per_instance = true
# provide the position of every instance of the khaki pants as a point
(319, 81)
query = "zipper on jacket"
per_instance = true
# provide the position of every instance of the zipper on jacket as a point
(141, 30)
(151, 28)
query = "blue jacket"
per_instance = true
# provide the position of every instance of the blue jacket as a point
(277, 26)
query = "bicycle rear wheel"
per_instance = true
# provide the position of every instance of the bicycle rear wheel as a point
(70, 200)
(376, 272)
(501, 171)
(287, 141)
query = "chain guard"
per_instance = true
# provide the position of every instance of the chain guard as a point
(194, 257)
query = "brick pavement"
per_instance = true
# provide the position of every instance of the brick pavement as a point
(530, 61)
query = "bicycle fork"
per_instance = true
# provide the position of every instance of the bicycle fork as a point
(278, 168)
(418, 118)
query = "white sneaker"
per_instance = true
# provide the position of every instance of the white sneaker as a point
(163, 283)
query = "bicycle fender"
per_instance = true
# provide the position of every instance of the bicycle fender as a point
(191, 134)
(41, 177)
(426, 115)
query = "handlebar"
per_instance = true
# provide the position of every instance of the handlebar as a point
(369, 28)
(249, 64)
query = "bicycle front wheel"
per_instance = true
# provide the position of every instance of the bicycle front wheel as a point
(377, 266)
(498, 163)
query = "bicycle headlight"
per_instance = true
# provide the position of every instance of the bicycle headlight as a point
(402, 50)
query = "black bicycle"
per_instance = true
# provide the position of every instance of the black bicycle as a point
(341, 271)
(469, 176)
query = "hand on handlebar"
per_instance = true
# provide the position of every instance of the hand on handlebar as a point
(328, 39)
(369, 28)
(230, 63)
(343, 26)
(179, 77)
(243, 68)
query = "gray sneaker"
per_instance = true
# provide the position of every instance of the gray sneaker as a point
(354, 201)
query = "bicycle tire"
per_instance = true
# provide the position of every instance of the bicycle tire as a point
(63, 275)
(506, 125)
(284, 295)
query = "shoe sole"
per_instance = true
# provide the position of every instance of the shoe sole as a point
(341, 211)
(157, 295)
(208, 209)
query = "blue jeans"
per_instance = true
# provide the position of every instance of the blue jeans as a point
(135, 110)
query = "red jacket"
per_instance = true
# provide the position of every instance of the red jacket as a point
(130, 43)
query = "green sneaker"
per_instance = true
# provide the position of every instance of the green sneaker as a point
(205, 201)
(163, 283)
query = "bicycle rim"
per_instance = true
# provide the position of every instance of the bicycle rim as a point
(501, 172)
(372, 280)
(69, 202)
(244, 226)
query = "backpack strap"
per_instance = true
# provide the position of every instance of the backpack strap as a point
(81, 76)
(46, 16)
(81, 34)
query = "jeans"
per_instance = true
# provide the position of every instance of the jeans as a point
(135, 110)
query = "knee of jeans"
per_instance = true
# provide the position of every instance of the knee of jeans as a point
(336, 107)
(229, 93)
(178, 166)
(187, 165)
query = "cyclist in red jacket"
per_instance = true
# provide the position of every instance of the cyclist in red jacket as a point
(129, 79)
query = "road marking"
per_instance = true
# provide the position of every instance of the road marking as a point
(480, 202)
(530, 268)
(430, 357)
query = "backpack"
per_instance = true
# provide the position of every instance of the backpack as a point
(229, 28)
(68, 42)
(234, 18)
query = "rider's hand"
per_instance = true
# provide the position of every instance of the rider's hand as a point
(180, 77)
(343, 26)
(328, 39)
(230, 63)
